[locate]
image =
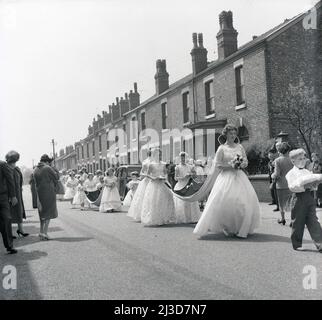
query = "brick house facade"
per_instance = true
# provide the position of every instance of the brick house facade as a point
(244, 86)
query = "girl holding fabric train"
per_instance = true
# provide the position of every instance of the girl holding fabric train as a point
(186, 212)
(137, 201)
(158, 204)
(110, 201)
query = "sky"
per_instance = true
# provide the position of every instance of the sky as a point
(62, 62)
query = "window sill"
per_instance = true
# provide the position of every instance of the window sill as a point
(240, 107)
(165, 130)
(210, 116)
(134, 140)
(187, 123)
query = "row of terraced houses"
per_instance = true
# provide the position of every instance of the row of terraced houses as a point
(245, 86)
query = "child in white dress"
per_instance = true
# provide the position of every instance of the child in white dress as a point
(186, 212)
(132, 186)
(137, 201)
(71, 186)
(80, 196)
(158, 205)
(110, 201)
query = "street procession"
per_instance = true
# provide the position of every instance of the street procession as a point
(208, 187)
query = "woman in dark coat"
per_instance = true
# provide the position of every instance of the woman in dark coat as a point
(33, 190)
(46, 179)
(17, 212)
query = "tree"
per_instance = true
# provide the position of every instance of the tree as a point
(300, 105)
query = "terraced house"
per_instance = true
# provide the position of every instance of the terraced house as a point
(249, 86)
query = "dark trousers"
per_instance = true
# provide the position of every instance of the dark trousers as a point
(5, 224)
(304, 213)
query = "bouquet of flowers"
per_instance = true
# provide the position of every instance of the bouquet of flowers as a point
(236, 163)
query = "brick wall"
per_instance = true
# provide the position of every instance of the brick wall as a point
(293, 55)
(255, 115)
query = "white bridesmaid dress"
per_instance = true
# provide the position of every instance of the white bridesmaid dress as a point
(158, 204)
(110, 197)
(137, 201)
(186, 212)
(71, 188)
(232, 207)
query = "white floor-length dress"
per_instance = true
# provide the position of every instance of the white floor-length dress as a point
(110, 197)
(137, 201)
(186, 212)
(233, 206)
(158, 204)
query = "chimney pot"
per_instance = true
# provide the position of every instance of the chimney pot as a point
(200, 40)
(135, 87)
(194, 40)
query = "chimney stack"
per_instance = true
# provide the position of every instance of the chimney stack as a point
(134, 97)
(198, 54)
(161, 77)
(124, 105)
(227, 36)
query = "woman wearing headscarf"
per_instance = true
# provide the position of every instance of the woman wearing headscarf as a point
(46, 184)
(17, 212)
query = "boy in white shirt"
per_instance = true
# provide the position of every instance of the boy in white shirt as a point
(301, 181)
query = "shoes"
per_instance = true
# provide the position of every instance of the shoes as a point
(299, 249)
(11, 251)
(14, 237)
(22, 234)
(271, 204)
(277, 209)
(43, 237)
(281, 221)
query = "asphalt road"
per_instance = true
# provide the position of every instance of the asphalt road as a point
(96, 255)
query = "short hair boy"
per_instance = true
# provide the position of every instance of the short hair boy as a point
(301, 181)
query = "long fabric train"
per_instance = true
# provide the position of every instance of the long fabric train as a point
(204, 189)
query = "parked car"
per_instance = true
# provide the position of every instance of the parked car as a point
(124, 176)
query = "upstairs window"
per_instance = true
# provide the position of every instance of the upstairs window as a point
(100, 143)
(185, 106)
(240, 85)
(164, 111)
(143, 124)
(210, 97)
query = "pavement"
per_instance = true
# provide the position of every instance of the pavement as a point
(95, 255)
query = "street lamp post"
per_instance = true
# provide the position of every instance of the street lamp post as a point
(53, 143)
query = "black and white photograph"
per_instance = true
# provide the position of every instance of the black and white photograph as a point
(164, 151)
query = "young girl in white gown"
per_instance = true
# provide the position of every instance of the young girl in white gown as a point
(71, 186)
(110, 200)
(132, 186)
(186, 212)
(232, 207)
(158, 204)
(80, 196)
(137, 201)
